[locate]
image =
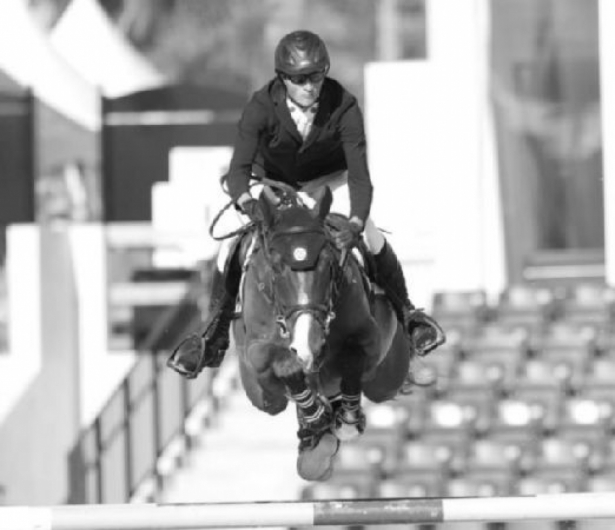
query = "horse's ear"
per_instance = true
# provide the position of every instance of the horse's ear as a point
(324, 202)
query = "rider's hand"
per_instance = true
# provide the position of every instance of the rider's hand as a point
(349, 234)
(252, 208)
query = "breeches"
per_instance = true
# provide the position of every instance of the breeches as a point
(338, 182)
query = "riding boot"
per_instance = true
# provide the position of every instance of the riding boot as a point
(424, 332)
(207, 349)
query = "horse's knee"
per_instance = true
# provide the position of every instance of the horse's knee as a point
(274, 405)
(287, 367)
(289, 370)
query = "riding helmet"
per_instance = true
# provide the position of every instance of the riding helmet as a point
(301, 52)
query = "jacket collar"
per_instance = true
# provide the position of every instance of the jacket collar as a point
(278, 95)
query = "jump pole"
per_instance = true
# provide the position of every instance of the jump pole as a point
(561, 507)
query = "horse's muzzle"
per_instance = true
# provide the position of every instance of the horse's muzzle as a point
(308, 339)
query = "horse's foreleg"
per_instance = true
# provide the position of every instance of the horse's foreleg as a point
(314, 413)
(349, 416)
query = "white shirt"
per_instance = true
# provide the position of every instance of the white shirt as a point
(303, 118)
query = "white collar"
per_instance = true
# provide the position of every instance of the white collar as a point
(294, 107)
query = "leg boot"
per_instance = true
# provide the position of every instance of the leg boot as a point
(423, 331)
(207, 349)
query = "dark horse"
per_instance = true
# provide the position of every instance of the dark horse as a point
(312, 328)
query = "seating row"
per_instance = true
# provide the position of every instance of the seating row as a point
(527, 305)
(480, 484)
(532, 411)
(450, 457)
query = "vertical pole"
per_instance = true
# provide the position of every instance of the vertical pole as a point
(98, 462)
(127, 439)
(156, 411)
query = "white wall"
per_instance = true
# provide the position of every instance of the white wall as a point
(101, 369)
(23, 362)
(432, 158)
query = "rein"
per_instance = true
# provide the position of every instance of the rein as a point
(323, 313)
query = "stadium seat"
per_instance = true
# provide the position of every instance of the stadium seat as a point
(585, 418)
(563, 336)
(516, 421)
(497, 455)
(605, 457)
(496, 375)
(599, 381)
(551, 481)
(415, 406)
(527, 306)
(460, 312)
(411, 485)
(590, 303)
(496, 339)
(557, 454)
(544, 401)
(481, 483)
(357, 460)
(569, 349)
(601, 481)
(351, 487)
(428, 457)
(459, 415)
(385, 433)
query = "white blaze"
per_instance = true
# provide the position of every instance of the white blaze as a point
(301, 343)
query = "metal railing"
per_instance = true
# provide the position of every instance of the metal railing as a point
(119, 455)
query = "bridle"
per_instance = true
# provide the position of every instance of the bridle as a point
(323, 313)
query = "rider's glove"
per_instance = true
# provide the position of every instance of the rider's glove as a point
(425, 332)
(253, 209)
(349, 233)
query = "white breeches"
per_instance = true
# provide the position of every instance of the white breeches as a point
(338, 182)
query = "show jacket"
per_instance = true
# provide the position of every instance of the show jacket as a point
(268, 142)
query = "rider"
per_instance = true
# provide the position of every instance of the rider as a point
(304, 129)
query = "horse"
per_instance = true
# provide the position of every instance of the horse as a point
(312, 328)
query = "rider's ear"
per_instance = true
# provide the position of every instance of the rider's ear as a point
(323, 204)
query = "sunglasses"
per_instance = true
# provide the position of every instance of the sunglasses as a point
(302, 79)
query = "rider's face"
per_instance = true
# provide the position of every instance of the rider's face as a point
(306, 93)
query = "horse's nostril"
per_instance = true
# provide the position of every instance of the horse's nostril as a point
(304, 358)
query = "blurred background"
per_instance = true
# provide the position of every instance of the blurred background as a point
(490, 138)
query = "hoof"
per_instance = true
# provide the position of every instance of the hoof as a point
(349, 425)
(316, 464)
(346, 432)
(274, 405)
